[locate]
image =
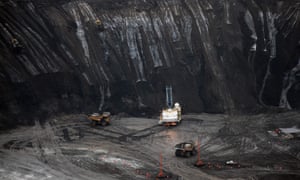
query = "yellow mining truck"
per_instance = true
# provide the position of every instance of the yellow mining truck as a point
(102, 119)
(185, 149)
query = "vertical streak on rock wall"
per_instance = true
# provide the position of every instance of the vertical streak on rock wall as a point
(272, 41)
(288, 81)
(87, 12)
(250, 23)
(81, 35)
(170, 22)
(102, 36)
(211, 59)
(146, 23)
(187, 28)
(227, 13)
(102, 93)
(157, 25)
(132, 35)
(261, 17)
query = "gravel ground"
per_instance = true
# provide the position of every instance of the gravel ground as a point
(68, 147)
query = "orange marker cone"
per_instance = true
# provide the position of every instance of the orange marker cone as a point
(160, 174)
(199, 162)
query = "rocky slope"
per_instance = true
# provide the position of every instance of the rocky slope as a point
(88, 55)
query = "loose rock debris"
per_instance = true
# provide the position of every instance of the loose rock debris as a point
(286, 133)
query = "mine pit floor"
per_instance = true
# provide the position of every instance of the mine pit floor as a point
(69, 147)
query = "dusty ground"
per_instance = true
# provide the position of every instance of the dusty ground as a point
(68, 147)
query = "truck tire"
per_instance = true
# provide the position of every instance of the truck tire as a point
(194, 152)
(177, 153)
(94, 123)
(103, 122)
(188, 154)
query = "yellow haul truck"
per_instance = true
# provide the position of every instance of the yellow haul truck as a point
(185, 149)
(102, 119)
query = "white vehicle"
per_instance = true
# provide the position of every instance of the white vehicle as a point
(171, 116)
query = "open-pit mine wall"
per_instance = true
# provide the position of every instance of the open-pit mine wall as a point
(112, 55)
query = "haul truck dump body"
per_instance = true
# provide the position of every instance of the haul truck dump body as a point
(185, 149)
(102, 119)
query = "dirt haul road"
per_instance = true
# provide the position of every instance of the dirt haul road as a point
(68, 147)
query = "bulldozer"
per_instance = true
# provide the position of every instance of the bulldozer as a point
(102, 119)
(185, 149)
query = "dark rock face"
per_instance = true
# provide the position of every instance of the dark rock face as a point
(84, 56)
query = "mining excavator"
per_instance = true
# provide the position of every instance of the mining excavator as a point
(102, 119)
(171, 116)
